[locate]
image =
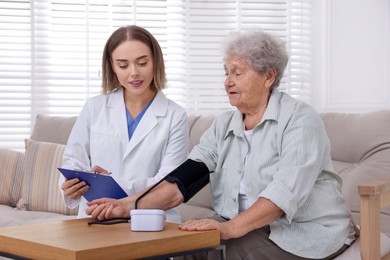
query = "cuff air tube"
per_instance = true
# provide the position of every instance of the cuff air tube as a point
(190, 177)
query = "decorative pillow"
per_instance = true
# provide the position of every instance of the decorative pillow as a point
(11, 175)
(198, 125)
(54, 129)
(40, 190)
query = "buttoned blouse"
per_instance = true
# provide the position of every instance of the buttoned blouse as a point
(290, 165)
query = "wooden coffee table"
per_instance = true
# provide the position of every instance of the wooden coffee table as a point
(74, 239)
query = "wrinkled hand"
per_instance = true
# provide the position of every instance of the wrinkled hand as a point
(209, 224)
(74, 188)
(106, 208)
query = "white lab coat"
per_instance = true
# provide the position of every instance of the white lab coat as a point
(159, 144)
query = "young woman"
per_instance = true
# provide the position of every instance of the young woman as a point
(132, 130)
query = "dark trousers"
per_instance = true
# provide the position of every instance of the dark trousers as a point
(255, 245)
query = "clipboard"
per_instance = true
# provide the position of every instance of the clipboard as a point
(100, 185)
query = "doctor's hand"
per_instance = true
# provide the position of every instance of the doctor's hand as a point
(74, 188)
(106, 208)
(99, 170)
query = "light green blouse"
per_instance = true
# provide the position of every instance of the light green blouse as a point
(290, 165)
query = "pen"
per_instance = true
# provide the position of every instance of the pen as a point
(103, 173)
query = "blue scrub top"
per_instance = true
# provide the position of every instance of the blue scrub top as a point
(133, 123)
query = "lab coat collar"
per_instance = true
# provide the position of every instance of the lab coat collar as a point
(158, 107)
(149, 121)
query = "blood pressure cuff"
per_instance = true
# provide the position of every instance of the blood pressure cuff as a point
(190, 177)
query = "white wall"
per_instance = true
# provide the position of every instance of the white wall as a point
(356, 52)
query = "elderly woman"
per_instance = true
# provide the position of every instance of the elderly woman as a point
(273, 188)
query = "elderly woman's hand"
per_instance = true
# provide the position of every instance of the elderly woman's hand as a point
(107, 208)
(225, 228)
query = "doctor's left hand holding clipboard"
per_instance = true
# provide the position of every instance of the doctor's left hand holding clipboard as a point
(100, 185)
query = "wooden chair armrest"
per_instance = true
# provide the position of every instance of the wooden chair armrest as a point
(373, 197)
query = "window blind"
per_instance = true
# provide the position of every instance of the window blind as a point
(15, 73)
(50, 51)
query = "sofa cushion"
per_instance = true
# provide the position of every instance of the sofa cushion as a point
(360, 150)
(189, 212)
(54, 129)
(40, 190)
(11, 216)
(353, 252)
(11, 175)
(197, 126)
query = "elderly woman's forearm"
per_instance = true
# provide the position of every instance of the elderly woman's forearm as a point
(263, 212)
(165, 196)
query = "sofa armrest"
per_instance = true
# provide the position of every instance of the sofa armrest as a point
(373, 197)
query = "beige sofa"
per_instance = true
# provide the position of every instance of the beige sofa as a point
(360, 152)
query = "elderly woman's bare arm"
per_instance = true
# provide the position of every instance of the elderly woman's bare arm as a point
(263, 212)
(165, 196)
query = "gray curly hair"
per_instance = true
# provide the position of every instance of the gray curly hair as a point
(261, 50)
